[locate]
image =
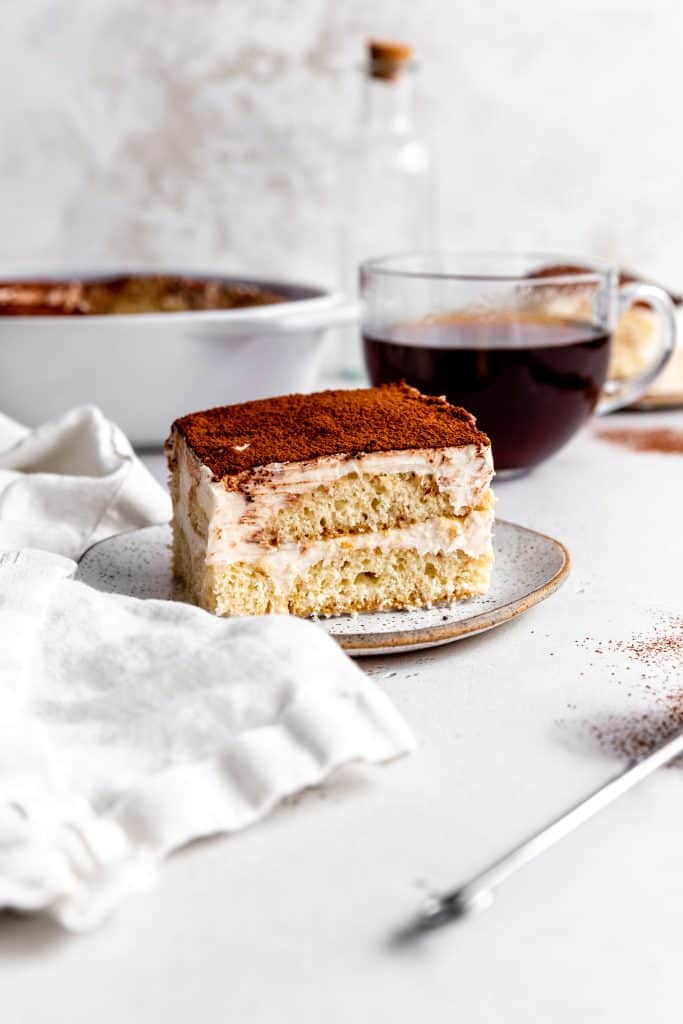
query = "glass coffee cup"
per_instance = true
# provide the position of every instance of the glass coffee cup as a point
(520, 340)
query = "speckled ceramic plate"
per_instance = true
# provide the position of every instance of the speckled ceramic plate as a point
(529, 567)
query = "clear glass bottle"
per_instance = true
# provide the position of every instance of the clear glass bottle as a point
(387, 181)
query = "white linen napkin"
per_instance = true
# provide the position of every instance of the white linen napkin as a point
(68, 484)
(128, 727)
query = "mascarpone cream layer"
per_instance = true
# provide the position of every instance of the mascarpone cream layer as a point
(286, 563)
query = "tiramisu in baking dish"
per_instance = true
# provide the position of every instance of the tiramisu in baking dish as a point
(336, 502)
(129, 294)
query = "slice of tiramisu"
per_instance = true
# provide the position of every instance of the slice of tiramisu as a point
(336, 502)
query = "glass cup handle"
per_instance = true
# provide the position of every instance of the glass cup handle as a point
(617, 393)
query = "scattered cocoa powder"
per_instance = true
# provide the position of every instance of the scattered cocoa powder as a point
(635, 735)
(660, 657)
(659, 652)
(654, 650)
(664, 440)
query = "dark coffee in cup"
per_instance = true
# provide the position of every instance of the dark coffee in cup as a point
(522, 340)
(530, 379)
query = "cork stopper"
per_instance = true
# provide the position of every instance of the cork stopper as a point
(386, 60)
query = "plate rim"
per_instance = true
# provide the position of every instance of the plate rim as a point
(431, 636)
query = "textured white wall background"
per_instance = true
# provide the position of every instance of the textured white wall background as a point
(202, 132)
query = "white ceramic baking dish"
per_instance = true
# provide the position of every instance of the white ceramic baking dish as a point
(146, 369)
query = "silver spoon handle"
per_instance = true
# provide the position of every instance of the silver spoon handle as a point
(477, 893)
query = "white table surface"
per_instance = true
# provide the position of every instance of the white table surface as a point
(291, 920)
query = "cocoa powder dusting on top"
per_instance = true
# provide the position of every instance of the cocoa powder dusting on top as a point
(658, 439)
(295, 428)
